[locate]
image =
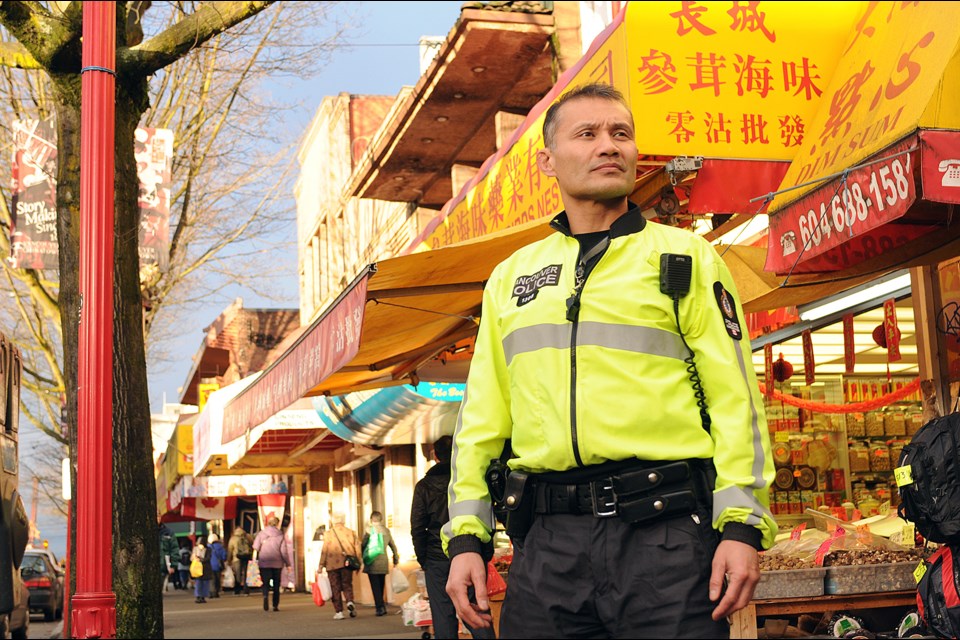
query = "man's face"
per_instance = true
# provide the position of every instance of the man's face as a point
(594, 155)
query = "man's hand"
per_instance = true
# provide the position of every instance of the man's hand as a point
(741, 566)
(468, 569)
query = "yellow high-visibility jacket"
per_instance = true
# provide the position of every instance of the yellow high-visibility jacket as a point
(613, 383)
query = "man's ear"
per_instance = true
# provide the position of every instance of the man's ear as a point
(545, 162)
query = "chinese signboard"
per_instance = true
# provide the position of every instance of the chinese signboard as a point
(746, 90)
(731, 79)
(891, 66)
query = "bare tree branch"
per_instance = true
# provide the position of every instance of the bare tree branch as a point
(195, 29)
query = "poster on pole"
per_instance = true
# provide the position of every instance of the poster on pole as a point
(153, 151)
(33, 236)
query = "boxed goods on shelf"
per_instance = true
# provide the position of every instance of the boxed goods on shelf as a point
(869, 578)
(790, 583)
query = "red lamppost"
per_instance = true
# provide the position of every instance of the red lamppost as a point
(94, 604)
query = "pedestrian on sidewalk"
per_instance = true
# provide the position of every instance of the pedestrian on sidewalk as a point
(183, 562)
(375, 564)
(270, 547)
(338, 543)
(239, 554)
(428, 514)
(201, 584)
(218, 558)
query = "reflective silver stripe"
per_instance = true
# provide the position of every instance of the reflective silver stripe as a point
(536, 337)
(447, 531)
(479, 508)
(646, 340)
(758, 455)
(739, 498)
(455, 451)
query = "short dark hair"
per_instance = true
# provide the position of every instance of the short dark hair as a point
(593, 90)
(376, 516)
(442, 448)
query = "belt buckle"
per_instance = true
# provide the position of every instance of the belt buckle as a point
(604, 498)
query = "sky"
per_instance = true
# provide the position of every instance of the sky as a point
(384, 58)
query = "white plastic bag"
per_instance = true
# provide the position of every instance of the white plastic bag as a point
(324, 581)
(228, 581)
(398, 580)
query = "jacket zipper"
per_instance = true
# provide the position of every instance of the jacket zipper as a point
(573, 315)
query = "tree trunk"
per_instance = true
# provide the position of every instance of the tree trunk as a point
(136, 556)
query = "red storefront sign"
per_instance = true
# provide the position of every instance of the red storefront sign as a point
(940, 165)
(844, 208)
(330, 343)
(891, 331)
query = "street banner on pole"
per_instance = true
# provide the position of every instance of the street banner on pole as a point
(33, 204)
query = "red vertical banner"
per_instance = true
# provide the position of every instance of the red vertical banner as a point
(768, 367)
(808, 364)
(890, 330)
(33, 237)
(849, 347)
(153, 150)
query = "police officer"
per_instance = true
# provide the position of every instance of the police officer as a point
(612, 356)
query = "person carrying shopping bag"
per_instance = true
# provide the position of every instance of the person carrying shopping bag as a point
(340, 556)
(375, 565)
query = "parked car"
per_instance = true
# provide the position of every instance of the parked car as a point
(16, 624)
(44, 581)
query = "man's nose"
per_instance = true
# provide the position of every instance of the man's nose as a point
(608, 146)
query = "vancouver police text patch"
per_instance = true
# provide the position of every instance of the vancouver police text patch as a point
(526, 287)
(728, 309)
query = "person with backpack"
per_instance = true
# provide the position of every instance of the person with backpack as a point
(183, 563)
(375, 565)
(218, 560)
(239, 554)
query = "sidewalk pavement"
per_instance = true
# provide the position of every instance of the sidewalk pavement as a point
(235, 617)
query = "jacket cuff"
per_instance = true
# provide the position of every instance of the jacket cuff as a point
(465, 543)
(743, 533)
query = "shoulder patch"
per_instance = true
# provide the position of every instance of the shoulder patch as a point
(525, 288)
(728, 309)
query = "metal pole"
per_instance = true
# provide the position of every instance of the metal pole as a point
(94, 603)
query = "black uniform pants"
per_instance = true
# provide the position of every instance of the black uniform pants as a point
(577, 576)
(443, 613)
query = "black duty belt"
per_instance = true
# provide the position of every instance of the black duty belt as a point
(634, 494)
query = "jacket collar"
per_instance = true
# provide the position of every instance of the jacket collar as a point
(630, 222)
(439, 469)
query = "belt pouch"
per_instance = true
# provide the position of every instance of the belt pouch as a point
(519, 504)
(658, 506)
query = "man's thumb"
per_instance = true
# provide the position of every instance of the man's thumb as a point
(480, 589)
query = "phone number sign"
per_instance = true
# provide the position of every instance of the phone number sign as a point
(844, 208)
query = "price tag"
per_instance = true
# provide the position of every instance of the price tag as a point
(782, 436)
(798, 531)
(863, 533)
(903, 475)
(919, 571)
(822, 551)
